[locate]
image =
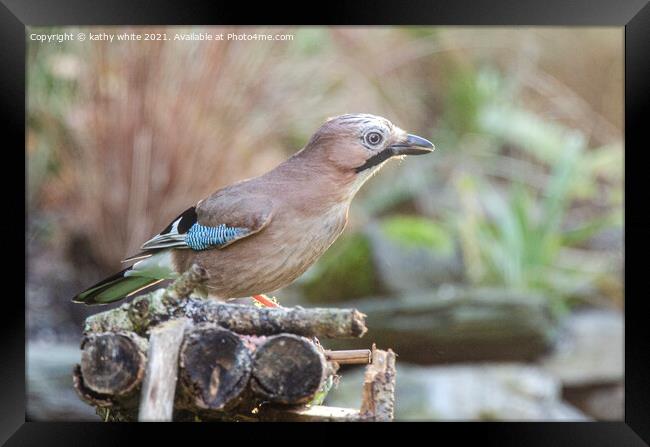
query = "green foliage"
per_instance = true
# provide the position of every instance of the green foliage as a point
(516, 238)
(520, 177)
(321, 394)
(344, 272)
(414, 231)
(468, 92)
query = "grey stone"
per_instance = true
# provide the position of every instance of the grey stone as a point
(403, 269)
(589, 349)
(502, 392)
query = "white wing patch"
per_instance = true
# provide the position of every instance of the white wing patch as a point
(170, 239)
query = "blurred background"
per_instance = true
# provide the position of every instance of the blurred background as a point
(493, 268)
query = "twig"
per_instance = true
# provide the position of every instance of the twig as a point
(349, 357)
(187, 283)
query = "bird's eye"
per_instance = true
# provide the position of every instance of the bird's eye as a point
(374, 138)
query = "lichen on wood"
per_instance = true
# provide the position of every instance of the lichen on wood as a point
(150, 309)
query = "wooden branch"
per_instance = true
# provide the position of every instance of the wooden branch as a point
(215, 367)
(148, 310)
(159, 387)
(317, 322)
(288, 369)
(378, 399)
(190, 281)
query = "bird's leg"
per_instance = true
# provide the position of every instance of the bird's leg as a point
(265, 301)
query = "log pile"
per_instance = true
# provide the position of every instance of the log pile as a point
(172, 355)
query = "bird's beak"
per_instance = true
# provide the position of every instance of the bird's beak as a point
(413, 145)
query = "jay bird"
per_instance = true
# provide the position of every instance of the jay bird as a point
(258, 235)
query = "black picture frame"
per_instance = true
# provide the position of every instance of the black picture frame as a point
(633, 15)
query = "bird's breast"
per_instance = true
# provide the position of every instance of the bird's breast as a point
(274, 257)
(298, 248)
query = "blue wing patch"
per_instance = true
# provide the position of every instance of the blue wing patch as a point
(201, 237)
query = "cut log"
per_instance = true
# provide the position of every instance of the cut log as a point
(113, 363)
(288, 369)
(159, 387)
(86, 394)
(378, 399)
(215, 367)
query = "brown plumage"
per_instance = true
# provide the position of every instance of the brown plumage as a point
(289, 216)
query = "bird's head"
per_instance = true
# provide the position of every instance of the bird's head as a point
(360, 144)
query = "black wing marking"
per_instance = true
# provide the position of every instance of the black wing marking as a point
(183, 222)
(172, 236)
(244, 217)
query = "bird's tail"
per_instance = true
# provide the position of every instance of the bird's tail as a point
(114, 288)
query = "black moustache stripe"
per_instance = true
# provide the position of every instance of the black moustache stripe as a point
(380, 157)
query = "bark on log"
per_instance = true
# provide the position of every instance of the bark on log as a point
(217, 374)
(86, 394)
(243, 319)
(159, 387)
(316, 322)
(215, 367)
(288, 369)
(378, 399)
(148, 310)
(113, 363)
